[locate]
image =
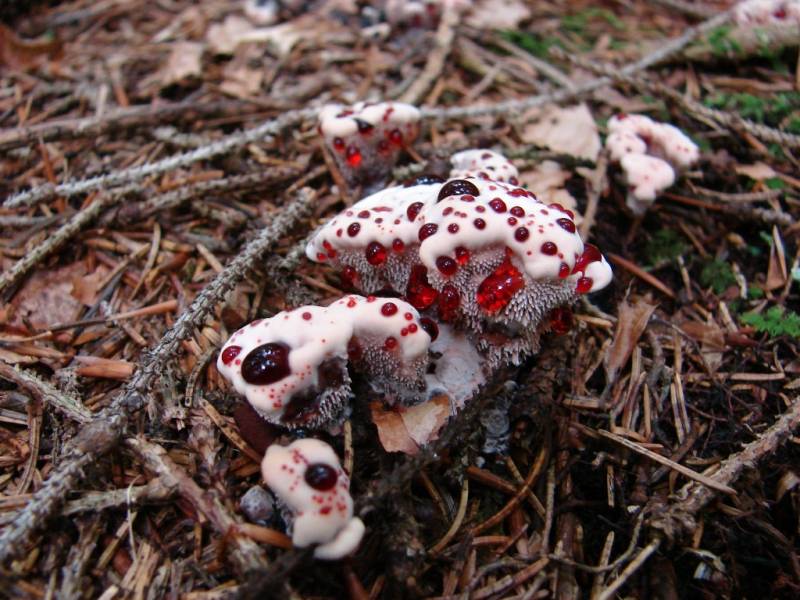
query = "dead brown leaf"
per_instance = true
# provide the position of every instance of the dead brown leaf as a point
(777, 272)
(631, 324)
(571, 130)
(25, 55)
(183, 65)
(46, 298)
(392, 430)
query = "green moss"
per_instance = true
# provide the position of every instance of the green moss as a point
(718, 275)
(665, 245)
(530, 42)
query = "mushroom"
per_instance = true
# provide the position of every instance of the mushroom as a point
(418, 13)
(649, 153)
(309, 481)
(485, 255)
(766, 12)
(292, 368)
(262, 12)
(485, 164)
(366, 138)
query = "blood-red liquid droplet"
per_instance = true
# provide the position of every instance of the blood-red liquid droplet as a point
(446, 265)
(427, 231)
(413, 210)
(518, 193)
(338, 144)
(430, 327)
(390, 343)
(590, 254)
(457, 187)
(353, 229)
(266, 364)
(230, 353)
(549, 248)
(398, 245)
(396, 137)
(349, 275)
(462, 255)
(453, 228)
(496, 291)
(419, 292)
(353, 156)
(498, 205)
(320, 476)
(521, 234)
(449, 301)
(512, 221)
(561, 320)
(517, 211)
(364, 214)
(306, 316)
(479, 224)
(563, 271)
(389, 309)
(375, 253)
(566, 224)
(584, 285)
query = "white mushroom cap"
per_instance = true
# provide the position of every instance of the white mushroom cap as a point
(307, 477)
(647, 176)
(485, 164)
(765, 12)
(657, 139)
(262, 12)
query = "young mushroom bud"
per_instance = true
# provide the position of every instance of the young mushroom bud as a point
(650, 154)
(308, 479)
(484, 164)
(366, 139)
(292, 368)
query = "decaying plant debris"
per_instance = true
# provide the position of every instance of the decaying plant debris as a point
(160, 179)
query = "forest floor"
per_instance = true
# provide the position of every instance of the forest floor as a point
(160, 168)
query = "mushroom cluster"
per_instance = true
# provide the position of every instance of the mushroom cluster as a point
(650, 154)
(480, 253)
(310, 483)
(366, 138)
(292, 367)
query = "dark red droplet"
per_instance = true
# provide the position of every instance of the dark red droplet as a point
(349, 275)
(413, 210)
(457, 187)
(390, 343)
(512, 221)
(561, 320)
(549, 248)
(389, 309)
(338, 144)
(584, 285)
(364, 214)
(353, 156)
(427, 231)
(230, 353)
(430, 327)
(517, 211)
(375, 253)
(566, 224)
(419, 292)
(266, 364)
(518, 193)
(306, 316)
(353, 229)
(521, 234)
(449, 301)
(563, 271)
(590, 254)
(446, 265)
(320, 476)
(479, 224)
(496, 291)
(396, 137)
(453, 228)
(498, 205)
(398, 245)
(462, 255)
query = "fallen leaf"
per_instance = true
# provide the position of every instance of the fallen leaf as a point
(46, 298)
(424, 421)
(245, 73)
(281, 38)
(711, 339)
(631, 323)
(25, 55)
(497, 14)
(571, 130)
(777, 272)
(183, 65)
(223, 37)
(392, 432)
(757, 171)
(86, 287)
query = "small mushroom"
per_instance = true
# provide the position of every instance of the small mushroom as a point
(292, 368)
(309, 481)
(366, 139)
(485, 164)
(766, 12)
(421, 14)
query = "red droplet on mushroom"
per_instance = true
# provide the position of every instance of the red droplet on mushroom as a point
(561, 320)
(430, 327)
(427, 231)
(584, 285)
(375, 253)
(590, 254)
(496, 291)
(390, 343)
(518, 193)
(566, 224)
(413, 210)
(468, 198)
(364, 128)
(266, 364)
(408, 317)
(549, 248)
(364, 214)
(353, 229)
(338, 144)
(396, 137)
(230, 353)
(512, 221)
(354, 349)
(521, 234)
(419, 293)
(563, 271)
(412, 328)
(320, 476)
(349, 275)
(517, 211)
(498, 205)
(446, 265)
(453, 228)
(457, 187)
(449, 301)
(479, 224)
(389, 309)
(321, 256)
(353, 156)
(462, 255)
(306, 316)
(398, 245)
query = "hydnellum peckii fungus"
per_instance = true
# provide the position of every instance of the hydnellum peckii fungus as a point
(312, 486)
(481, 254)
(766, 12)
(366, 139)
(649, 153)
(292, 368)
